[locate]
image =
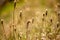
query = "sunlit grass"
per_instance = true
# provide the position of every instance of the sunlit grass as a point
(36, 30)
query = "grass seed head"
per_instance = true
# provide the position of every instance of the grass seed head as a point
(42, 19)
(15, 3)
(46, 12)
(10, 26)
(20, 14)
(43, 15)
(58, 14)
(57, 24)
(32, 20)
(1, 21)
(28, 23)
(58, 5)
(13, 25)
(15, 30)
(51, 20)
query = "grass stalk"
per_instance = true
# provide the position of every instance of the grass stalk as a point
(27, 30)
(2, 22)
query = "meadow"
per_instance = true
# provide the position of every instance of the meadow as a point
(30, 20)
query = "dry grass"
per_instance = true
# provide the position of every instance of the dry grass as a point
(31, 22)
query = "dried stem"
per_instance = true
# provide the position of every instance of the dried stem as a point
(13, 18)
(14, 31)
(14, 10)
(2, 22)
(27, 31)
(19, 37)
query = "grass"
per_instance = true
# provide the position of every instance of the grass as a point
(37, 29)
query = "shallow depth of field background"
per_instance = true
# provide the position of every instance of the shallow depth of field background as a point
(40, 27)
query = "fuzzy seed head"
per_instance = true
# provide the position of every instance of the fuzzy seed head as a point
(46, 12)
(32, 20)
(1, 21)
(42, 19)
(51, 20)
(15, 30)
(28, 23)
(43, 15)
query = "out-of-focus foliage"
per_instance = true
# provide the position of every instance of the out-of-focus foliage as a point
(40, 28)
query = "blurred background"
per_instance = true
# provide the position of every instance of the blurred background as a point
(30, 9)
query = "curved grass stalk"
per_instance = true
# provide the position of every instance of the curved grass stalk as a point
(2, 22)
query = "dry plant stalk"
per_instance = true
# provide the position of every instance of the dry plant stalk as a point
(14, 32)
(15, 4)
(19, 37)
(14, 10)
(27, 31)
(13, 19)
(2, 22)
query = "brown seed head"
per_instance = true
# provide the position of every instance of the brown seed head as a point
(28, 23)
(1, 21)
(43, 15)
(46, 12)
(51, 20)
(32, 20)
